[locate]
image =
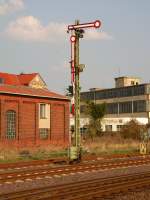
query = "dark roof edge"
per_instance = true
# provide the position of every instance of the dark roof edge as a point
(116, 87)
(30, 95)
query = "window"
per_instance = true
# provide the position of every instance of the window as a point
(42, 111)
(87, 95)
(125, 107)
(111, 108)
(108, 128)
(1, 80)
(133, 90)
(119, 127)
(83, 108)
(139, 106)
(43, 133)
(138, 90)
(132, 82)
(11, 124)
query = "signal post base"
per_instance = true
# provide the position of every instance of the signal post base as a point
(74, 154)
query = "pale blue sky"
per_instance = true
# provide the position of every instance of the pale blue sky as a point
(39, 43)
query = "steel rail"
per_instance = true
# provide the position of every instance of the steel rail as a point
(64, 159)
(87, 189)
(69, 169)
(47, 171)
(32, 163)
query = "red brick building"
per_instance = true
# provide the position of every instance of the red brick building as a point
(31, 115)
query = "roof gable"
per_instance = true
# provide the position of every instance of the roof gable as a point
(26, 85)
(32, 80)
(25, 79)
(37, 82)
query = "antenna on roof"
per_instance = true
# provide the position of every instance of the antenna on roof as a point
(119, 72)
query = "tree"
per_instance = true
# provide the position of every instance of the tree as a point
(95, 113)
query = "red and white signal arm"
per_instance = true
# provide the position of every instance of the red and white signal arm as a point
(95, 24)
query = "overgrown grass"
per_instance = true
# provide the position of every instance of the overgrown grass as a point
(15, 155)
(104, 145)
(111, 144)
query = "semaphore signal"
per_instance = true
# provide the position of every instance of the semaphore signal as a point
(95, 24)
(77, 31)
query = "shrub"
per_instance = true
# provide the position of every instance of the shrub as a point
(95, 112)
(133, 130)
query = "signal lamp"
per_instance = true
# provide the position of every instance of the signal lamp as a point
(97, 24)
(73, 38)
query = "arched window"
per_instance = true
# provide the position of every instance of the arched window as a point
(11, 124)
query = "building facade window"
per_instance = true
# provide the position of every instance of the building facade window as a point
(134, 90)
(119, 127)
(108, 128)
(90, 95)
(83, 108)
(139, 106)
(125, 107)
(112, 108)
(43, 132)
(138, 90)
(42, 111)
(11, 124)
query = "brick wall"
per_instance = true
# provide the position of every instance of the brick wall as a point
(28, 133)
(27, 121)
(58, 122)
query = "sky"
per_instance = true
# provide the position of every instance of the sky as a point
(33, 38)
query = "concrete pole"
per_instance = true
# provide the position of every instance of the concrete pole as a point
(77, 94)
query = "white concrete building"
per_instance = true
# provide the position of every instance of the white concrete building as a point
(128, 100)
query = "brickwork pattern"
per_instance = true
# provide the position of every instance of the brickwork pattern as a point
(27, 121)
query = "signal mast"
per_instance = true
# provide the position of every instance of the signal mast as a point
(77, 31)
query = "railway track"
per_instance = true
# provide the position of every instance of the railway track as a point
(61, 160)
(23, 174)
(84, 190)
(32, 163)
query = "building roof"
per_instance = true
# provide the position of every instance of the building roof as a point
(28, 91)
(10, 79)
(19, 85)
(129, 77)
(13, 79)
(25, 79)
(114, 88)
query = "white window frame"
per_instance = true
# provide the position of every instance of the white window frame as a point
(44, 133)
(42, 111)
(11, 124)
